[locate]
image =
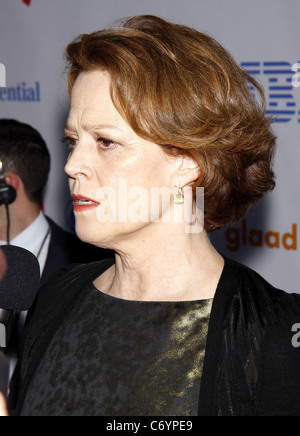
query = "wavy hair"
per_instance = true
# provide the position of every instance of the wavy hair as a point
(181, 89)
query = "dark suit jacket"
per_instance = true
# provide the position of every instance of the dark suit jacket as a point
(251, 367)
(65, 248)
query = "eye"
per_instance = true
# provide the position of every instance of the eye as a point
(106, 144)
(72, 142)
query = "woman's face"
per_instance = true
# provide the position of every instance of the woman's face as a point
(112, 171)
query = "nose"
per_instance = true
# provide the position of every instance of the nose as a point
(79, 164)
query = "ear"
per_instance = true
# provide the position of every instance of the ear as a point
(12, 180)
(188, 171)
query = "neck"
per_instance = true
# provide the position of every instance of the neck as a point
(20, 219)
(164, 268)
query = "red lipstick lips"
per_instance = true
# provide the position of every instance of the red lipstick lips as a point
(82, 204)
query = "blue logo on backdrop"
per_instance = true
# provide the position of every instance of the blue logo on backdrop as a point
(282, 81)
(21, 93)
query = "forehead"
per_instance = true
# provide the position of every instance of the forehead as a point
(91, 101)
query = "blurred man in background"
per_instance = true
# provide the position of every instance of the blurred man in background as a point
(26, 165)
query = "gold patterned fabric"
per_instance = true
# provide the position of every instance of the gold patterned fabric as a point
(113, 357)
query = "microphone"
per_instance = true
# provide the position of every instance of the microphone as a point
(20, 282)
(21, 278)
(8, 194)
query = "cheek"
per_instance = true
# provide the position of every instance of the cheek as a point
(141, 165)
(125, 186)
(134, 172)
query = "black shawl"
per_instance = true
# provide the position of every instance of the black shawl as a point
(252, 363)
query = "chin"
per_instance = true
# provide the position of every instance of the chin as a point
(95, 234)
(87, 234)
(107, 235)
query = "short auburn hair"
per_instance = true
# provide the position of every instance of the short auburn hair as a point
(181, 89)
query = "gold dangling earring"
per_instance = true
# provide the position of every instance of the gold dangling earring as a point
(179, 197)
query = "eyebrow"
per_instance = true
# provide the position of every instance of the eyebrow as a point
(70, 128)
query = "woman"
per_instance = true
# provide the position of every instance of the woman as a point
(169, 327)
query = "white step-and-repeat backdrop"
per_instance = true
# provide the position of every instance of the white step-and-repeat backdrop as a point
(263, 36)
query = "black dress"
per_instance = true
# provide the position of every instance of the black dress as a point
(113, 357)
(252, 358)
